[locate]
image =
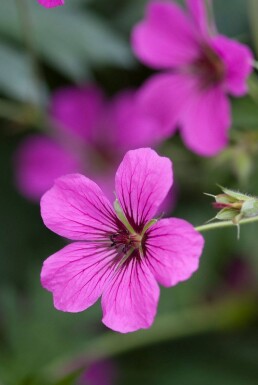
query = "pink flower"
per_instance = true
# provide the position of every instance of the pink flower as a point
(38, 161)
(51, 3)
(102, 372)
(90, 135)
(202, 68)
(121, 254)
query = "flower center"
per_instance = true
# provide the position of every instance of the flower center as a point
(209, 67)
(123, 241)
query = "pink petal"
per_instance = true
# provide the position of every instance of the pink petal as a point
(173, 99)
(101, 372)
(162, 98)
(78, 112)
(205, 119)
(129, 302)
(76, 208)
(77, 274)
(173, 250)
(143, 180)
(166, 38)
(238, 60)
(130, 126)
(198, 13)
(38, 161)
(51, 3)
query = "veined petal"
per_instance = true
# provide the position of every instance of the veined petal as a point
(238, 60)
(166, 38)
(38, 161)
(202, 130)
(51, 3)
(77, 274)
(172, 250)
(129, 302)
(77, 112)
(76, 208)
(143, 180)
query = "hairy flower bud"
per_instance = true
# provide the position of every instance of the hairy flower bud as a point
(234, 206)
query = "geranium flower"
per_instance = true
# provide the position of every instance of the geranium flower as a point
(51, 3)
(202, 68)
(90, 135)
(121, 253)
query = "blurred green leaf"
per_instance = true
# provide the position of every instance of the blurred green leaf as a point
(245, 113)
(16, 74)
(37, 334)
(232, 18)
(69, 379)
(224, 359)
(69, 39)
(252, 13)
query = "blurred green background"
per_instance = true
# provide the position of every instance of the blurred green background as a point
(206, 329)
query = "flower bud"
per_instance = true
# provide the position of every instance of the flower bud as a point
(234, 205)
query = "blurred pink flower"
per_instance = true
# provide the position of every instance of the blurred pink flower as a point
(99, 373)
(90, 135)
(38, 161)
(121, 254)
(51, 3)
(202, 68)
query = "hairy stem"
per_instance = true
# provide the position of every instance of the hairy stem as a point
(217, 225)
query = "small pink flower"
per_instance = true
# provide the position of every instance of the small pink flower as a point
(202, 68)
(51, 3)
(121, 254)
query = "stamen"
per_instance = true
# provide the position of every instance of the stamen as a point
(124, 259)
(120, 214)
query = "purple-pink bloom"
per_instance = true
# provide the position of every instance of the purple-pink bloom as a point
(120, 253)
(102, 372)
(51, 3)
(200, 67)
(38, 161)
(90, 135)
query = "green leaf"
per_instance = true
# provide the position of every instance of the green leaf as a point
(69, 39)
(245, 113)
(69, 379)
(16, 75)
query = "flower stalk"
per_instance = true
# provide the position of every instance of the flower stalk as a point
(222, 224)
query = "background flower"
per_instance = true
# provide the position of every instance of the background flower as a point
(90, 134)
(51, 3)
(202, 68)
(99, 373)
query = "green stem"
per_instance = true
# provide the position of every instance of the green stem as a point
(230, 312)
(27, 30)
(217, 225)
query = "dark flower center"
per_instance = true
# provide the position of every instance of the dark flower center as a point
(124, 241)
(209, 67)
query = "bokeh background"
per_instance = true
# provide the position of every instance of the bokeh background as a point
(206, 329)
